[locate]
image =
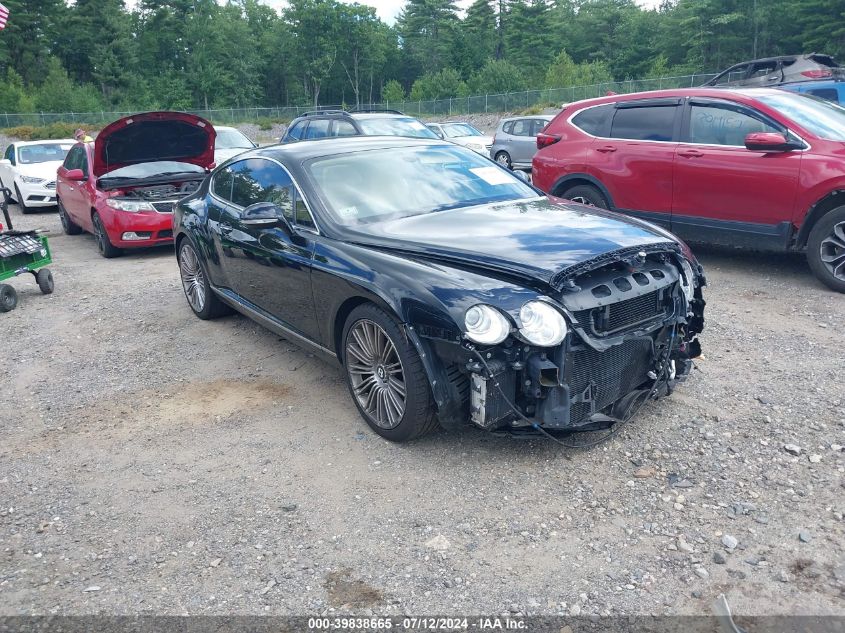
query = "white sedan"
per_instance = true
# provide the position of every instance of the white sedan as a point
(28, 169)
(230, 142)
(463, 134)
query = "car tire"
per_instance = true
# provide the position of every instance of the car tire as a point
(826, 249)
(586, 194)
(8, 298)
(104, 245)
(504, 159)
(19, 199)
(44, 279)
(68, 226)
(201, 298)
(381, 364)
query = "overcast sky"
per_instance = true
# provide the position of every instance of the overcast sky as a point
(389, 9)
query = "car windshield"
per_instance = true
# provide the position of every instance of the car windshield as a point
(818, 116)
(395, 126)
(453, 130)
(157, 168)
(44, 153)
(390, 183)
(232, 139)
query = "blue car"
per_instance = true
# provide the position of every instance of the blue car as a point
(829, 89)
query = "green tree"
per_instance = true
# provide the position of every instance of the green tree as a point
(564, 73)
(392, 92)
(497, 77)
(427, 28)
(440, 85)
(58, 93)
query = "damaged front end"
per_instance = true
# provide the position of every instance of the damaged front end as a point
(632, 319)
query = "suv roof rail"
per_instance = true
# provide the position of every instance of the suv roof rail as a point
(317, 112)
(385, 110)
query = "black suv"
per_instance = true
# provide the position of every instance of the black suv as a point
(332, 123)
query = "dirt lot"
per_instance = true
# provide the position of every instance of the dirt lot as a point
(151, 462)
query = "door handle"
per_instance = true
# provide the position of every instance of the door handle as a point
(690, 153)
(225, 228)
(607, 149)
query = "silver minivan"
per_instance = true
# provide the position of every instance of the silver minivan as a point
(515, 142)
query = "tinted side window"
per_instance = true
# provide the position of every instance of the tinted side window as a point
(221, 185)
(318, 128)
(595, 121)
(83, 161)
(522, 127)
(303, 217)
(649, 123)
(72, 158)
(258, 180)
(539, 124)
(825, 93)
(762, 69)
(295, 132)
(723, 125)
(343, 128)
(507, 128)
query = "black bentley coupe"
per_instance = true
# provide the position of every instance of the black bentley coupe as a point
(449, 289)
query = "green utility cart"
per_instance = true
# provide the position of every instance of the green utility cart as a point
(21, 252)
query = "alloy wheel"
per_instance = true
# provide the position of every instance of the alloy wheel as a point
(832, 250)
(101, 234)
(376, 373)
(193, 279)
(63, 217)
(502, 159)
(582, 200)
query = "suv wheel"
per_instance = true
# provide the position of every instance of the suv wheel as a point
(826, 249)
(386, 377)
(586, 194)
(504, 159)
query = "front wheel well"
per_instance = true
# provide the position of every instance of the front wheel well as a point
(342, 314)
(830, 202)
(576, 180)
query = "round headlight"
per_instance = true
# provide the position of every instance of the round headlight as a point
(486, 325)
(541, 324)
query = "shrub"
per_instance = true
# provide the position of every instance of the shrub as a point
(59, 129)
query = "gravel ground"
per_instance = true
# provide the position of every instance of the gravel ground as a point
(151, 462)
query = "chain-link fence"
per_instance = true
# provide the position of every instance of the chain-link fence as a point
(507, 102)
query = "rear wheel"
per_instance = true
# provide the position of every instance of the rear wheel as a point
(504, 159)
(586, 194)
(826, 249)
(44, 279)
(24, 209)
(68, 226)
(386, 377)
(8, 298)
(203, 301)
(104, 245)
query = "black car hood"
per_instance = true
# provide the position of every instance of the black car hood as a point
(538, 238)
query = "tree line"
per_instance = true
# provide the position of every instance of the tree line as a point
(96, 55)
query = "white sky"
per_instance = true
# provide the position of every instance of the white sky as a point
(389, 9)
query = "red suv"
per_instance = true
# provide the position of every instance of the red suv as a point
(122, 186)
(760, 168)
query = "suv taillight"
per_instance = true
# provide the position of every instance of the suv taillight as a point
(544, 140)
(819, 73)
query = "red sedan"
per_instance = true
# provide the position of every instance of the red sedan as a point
(122, 186)
(759, 168)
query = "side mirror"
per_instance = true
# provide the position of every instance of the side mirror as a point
(75, 174)
(769, 142)
(265, 215)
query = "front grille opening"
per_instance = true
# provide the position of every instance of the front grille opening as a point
(624, 314)
(601, 291)
(641, 279)
(657, 274)
(623, 284)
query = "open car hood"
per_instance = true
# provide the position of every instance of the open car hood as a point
(153, 136)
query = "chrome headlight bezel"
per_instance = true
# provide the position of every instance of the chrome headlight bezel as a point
(687, 280)
(541, 324)
(486, 325)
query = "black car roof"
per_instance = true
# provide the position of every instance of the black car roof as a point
(306, 150)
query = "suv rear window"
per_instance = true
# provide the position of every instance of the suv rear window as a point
(317, 128)
(647, 123)
(595, 121)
